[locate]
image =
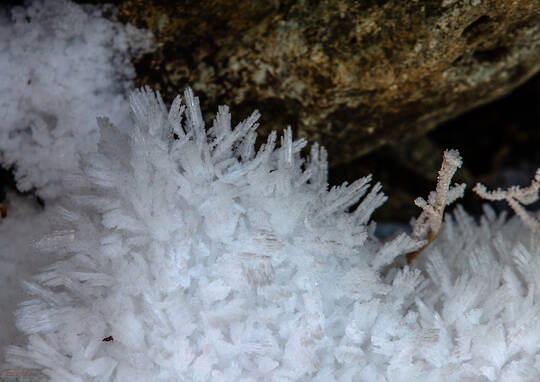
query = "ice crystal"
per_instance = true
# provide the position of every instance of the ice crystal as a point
(204, 258)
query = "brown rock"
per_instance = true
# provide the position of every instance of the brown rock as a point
(351, 74)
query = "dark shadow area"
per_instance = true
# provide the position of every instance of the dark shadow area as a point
(498, 143)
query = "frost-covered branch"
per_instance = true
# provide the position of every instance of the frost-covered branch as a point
(428, 224)
(516, 198)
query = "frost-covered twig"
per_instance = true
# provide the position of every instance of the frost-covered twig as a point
(428, 224)
(516, 196)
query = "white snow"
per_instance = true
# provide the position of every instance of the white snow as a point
(61, 65)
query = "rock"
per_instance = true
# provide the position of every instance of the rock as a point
(353, 75)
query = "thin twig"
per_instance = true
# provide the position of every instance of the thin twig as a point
(428, 224)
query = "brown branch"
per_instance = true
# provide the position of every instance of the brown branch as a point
(428, 224)
(516, 197)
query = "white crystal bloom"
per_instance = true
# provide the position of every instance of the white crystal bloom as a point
(188, 255)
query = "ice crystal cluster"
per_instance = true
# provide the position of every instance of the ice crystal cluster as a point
(188, 255)
(61, 65)
(176, 251)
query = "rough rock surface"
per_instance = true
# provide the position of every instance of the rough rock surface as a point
(351, 74)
